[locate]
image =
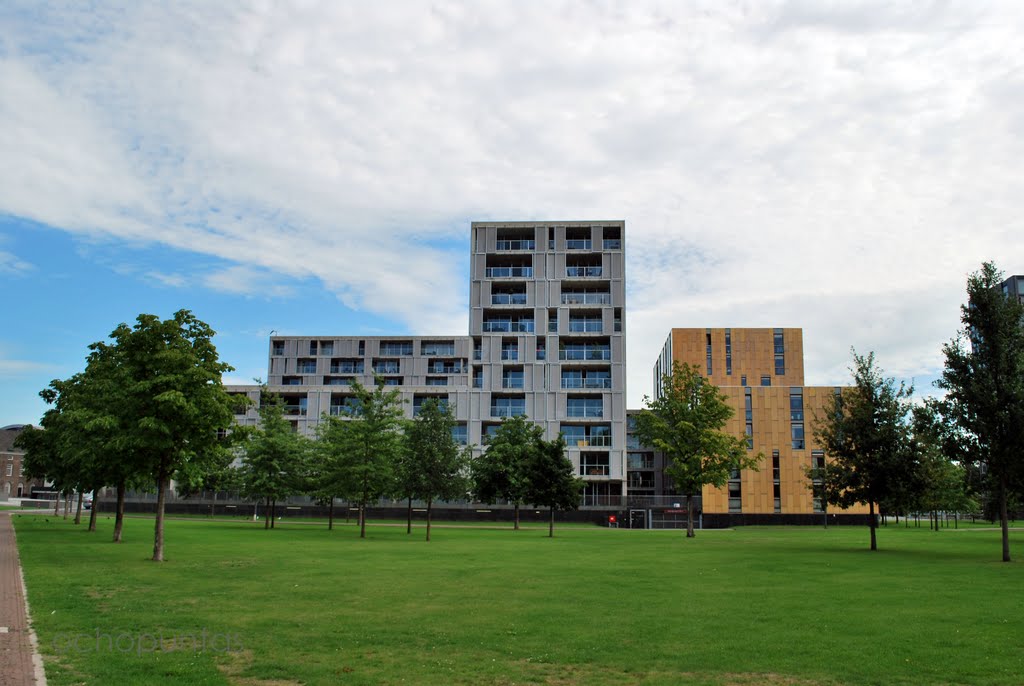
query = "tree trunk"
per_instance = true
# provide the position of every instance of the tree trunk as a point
(689, 517)
(119, 516)
(330, 515)
(1004, 519)
(92, 512)
(430, 503)
(408, 518)
(67, 504)
(273, 512)
(158, 535)
(516, 525)
(78, 510)
(362, 519)
(871, 514)
(266, 515)
(551, 522)
(56, 506)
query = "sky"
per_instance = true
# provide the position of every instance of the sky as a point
(313, 168)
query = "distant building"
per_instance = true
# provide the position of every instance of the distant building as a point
(13, 483)
(1014, 287)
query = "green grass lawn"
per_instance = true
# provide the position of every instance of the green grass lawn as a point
(302, 605)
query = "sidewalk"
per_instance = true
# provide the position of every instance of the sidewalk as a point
(17, 667)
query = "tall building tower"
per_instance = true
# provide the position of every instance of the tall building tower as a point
(547, 323)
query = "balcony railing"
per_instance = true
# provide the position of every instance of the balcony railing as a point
(584, 411)
(585, 354)
(385, 369)
(612, 244)
(446, 369)
(583, 271)
(586, 298)
(508, 298)
(505, 326)
(346, 369)
(294, 410)
(437, 350)
(503, 411)
(589, 441)
(511, 383)
(510, 355)
(578, 244)
(509, 272)
(395, 350)
(523, 244)
(601, 382)
(586, 326)
(306, 369)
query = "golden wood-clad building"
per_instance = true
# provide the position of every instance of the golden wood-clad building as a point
(761, 372)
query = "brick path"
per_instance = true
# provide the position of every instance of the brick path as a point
(17, 666)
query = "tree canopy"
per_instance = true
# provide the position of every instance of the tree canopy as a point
(983, 380)
(435, 466)
(685, 423)
(501, 472)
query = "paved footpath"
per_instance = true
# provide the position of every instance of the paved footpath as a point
(20, 664)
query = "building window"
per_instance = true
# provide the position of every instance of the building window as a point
(748, 409)
(362, 348)
(743, 380)
(419, 400)
(306, 366)
(541, 350)
(10, 470)
(437, 348)
(277, 348)
(766, 381)
(708, 355)
(595, 464)
(437, 380)
(508, 407)
(780, 352)
(797, 431)
(796, 405)
(584, 407)
(510, 350)
(478, 377)
(728, 353)
(639, 461)
(512, 378)
(460, 434)
(312, 348)
(396, 348)
(735, 496)
(818, 480)
(326, 347)
(291, 381)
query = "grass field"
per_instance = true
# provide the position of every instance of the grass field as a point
(301, 605)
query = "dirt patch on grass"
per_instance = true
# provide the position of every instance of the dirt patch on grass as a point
(232, 665)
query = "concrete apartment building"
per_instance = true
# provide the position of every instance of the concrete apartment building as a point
(546, 340)
(761, 373)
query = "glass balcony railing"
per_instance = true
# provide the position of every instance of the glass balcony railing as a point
(578, 244)
(586, 326)
(346, 369)
(510, 355)
(506, 411)
(508, 298)
(583, 271)
(586, 298)
(306, 369)
(522, 244)
(509, 272)
(585, 354)
(589, 441)
(477, 354)
(437, 350)
(584, 411)
(446, 369)
(507, 326)
(511, 383)
(385, 369)
(294, 410)
(612, 244)
(576, 382)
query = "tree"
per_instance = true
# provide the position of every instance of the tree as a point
(435, 466)
(685, 423)
(984, 383)
(870, 458)
(551, 479)
(501, 471)
(172, 406)
(275, 461)
(365, 446)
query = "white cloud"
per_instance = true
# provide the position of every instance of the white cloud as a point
(11, 264)
(836, 167)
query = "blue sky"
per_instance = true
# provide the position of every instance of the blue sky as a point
(314, 167)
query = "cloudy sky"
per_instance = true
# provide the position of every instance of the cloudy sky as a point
(314, 167)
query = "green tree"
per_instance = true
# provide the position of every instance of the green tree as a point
(276, 458)
(870, 458)
(435, 466)
(984, 383)
(685, 423)
(364, 446)
(172, 406)
(551, 479)
(501, 472)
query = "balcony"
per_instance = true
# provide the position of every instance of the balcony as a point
(576, 382)
(612, 244)
(582, 271)
(510, 355)
(401, 349)
(589, 441)
(522, 244)
(507, 411)
(347, 368)
(594, 354)
(586, 326)
(386, 368)
(508, 298)
(585, 411)
(446, 369)
(512, 383)
(437, 349)
(586, 298)
(508, 326)
(578, 244)
(294, 410)
(509, 272)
